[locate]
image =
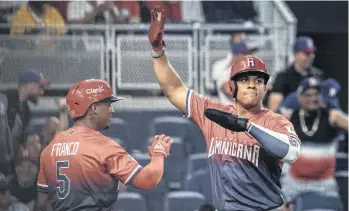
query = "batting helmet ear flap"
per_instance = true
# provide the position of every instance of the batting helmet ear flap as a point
(233, 88)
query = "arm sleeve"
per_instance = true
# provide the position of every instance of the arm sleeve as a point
(278, 139)
(42, 185)
(121, 165)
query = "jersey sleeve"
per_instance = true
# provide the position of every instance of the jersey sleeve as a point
(42, 185)
(284, 126)
(195, 108)
(121, 165)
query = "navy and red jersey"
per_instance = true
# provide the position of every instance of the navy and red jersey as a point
(81, 170)
(244, 175)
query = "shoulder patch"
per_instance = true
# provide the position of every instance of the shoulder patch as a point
(291, 130)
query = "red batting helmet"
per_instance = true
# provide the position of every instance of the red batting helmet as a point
(85, 93)
(245, 64)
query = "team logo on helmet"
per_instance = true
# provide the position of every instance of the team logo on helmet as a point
(251, 63)
(97, 90)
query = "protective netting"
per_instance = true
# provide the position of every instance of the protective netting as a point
(64, 60)
(134, 64)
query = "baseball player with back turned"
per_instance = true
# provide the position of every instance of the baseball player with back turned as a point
(81, 168)
(246, 143)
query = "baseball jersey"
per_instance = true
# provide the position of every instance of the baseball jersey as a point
(81, 170)
(244, 175)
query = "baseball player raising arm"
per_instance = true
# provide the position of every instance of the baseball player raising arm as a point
(248, 146)
(81, 168)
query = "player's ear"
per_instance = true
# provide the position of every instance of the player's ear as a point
(93, 109)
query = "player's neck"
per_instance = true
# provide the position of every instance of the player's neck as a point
(84, 123)
(242, 111)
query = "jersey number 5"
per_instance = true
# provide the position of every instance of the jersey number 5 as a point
(63, 182)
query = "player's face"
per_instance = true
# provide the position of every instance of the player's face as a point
(251, 90)
(310, 99)
(104, 115)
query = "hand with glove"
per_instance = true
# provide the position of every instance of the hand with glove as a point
(156, 31)
(160, 144)
(227, 120)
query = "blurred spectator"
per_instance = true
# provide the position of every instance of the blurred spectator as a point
(31, 148)
(317, 127)
(192, 11)
(207, 207)
(93, 12)
(221, 72)
(23, 184)
(172, 10)
(200, 181)
(130, 10)
(288, 80)
(6, 146)
(229, 11)
(330, 90)
(7, 202)
(7, 9)
(61, 6)
(37, 17)
(54, 125)
(31, 86)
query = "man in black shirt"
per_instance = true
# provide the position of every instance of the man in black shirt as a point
(287, 81)
(30, 86)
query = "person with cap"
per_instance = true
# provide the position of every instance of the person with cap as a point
(246, 143)
(15, 109)
(221, 71)
(23, 184)
(287, 81)
(317, 127)
(81, 169)
(330, 90)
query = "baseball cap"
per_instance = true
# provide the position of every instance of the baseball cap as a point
(33, 76)
(304, 44)
(329, 91)
(240, 48)
(307, 84)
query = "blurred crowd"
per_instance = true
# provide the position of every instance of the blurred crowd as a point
(55, 15)
(300, 93)
(20, 144)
